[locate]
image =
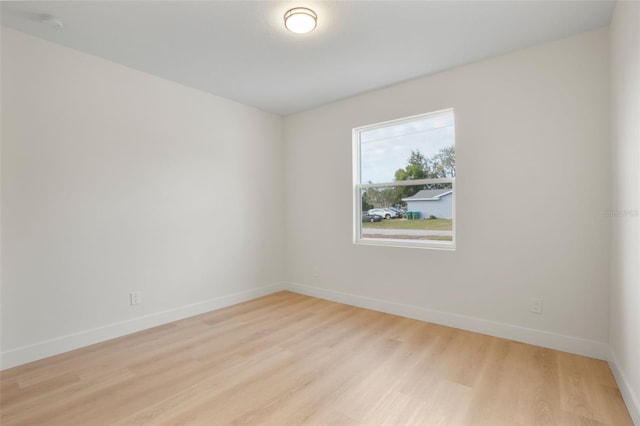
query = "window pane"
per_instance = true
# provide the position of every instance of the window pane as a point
(418, 149)
(417, 212)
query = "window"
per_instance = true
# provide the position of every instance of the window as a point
(404, 182)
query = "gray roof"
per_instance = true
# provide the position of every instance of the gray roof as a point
(428, 194)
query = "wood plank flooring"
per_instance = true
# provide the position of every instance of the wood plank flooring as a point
(288, 359)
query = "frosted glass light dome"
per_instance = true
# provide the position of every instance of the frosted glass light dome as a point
(300, 20)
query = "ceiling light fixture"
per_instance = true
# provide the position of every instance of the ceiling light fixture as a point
(300, 20)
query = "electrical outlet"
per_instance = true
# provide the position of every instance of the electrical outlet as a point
(535, 305)
(135, 298)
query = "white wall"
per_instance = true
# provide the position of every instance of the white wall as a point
(532, 129)
(625, 288)
(114, 180)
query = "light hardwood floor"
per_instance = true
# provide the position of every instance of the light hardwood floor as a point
(288, 359)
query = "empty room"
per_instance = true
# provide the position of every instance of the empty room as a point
(320, 213)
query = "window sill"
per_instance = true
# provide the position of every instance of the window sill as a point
(388, 242)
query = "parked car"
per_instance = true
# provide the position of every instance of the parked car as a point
(385, 213)
(399, 212)
(393, 214)
(366, 217)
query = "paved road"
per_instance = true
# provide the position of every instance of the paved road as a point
(369, 231)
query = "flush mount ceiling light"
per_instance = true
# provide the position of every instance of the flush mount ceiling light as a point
(300, 20)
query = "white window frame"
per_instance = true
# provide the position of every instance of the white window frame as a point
(358, 187)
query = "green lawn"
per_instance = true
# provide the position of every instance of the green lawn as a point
(430, 224)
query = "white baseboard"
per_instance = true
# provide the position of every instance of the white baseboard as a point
(545, 339)
(630, 397)
(25, 354)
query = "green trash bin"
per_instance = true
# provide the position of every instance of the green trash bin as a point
(416, 215)
(410, 215)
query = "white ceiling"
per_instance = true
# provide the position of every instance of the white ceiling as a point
(240, 49)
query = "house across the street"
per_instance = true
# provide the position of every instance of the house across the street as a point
(436, 202)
